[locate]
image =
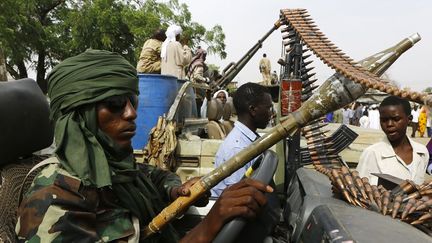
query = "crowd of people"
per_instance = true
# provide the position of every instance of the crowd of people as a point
(368, 116)
(167, 53)
(397, 154)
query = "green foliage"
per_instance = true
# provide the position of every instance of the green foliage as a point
(172, 12)
(213, 67)
(428, 90)
(215, 39)
(40, 33)
(100, 24)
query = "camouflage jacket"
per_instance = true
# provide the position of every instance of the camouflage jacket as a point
(57, 207)
(150, 60)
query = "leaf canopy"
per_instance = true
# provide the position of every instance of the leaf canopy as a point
(38, 34)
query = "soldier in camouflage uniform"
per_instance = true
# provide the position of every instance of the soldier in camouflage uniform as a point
(197, 67)
(93, 190)
(150, 59)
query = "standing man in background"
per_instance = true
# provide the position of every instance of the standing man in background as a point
(358, 113)
(265, 67)
(364, 120)
(175, 56)
(347, 115)
(414, 122)
(150, 57)
(374, 117)
(274, 78)
(197, 67)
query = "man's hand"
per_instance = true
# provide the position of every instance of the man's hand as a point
(183, 191)
(243, 199)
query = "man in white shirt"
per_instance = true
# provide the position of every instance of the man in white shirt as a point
(374, 117)
(175, 56)
(414, 122)
(364, 120)
(396, 154)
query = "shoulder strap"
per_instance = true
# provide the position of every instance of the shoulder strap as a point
(50, 160)
(43, 163)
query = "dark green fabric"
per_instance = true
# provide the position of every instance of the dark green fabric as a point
(75, 86)
(82, 81)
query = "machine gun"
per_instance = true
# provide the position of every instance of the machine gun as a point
(232, 69)
(350, 82)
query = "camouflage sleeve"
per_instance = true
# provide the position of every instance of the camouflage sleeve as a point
(198, 75)
(162, 179)
(56, 209)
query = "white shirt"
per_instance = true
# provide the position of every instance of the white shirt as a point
(415, 115)
(374, 119)
(429, 119)
(177, 57)
(364, 121)
(411, 167)
(381, 158)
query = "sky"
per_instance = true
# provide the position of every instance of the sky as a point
(359, 28)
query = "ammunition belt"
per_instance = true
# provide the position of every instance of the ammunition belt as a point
(299, 20)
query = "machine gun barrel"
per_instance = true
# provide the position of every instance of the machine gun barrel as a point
(233, 69)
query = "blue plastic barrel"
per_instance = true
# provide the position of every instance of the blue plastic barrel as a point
(157, 93)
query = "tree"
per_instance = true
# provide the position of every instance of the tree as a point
(40, 33)
(30, 35)
(3, 71)
(428, 90)
(151, 15)
(100, 24)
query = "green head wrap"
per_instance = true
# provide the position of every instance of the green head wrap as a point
(74, 87)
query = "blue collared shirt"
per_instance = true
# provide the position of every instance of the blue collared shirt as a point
(238, 139)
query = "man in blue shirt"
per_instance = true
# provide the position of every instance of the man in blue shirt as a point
(253, 104)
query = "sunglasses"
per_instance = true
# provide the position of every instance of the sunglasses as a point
(117, 103)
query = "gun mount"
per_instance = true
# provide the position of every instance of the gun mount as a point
(232, 69)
